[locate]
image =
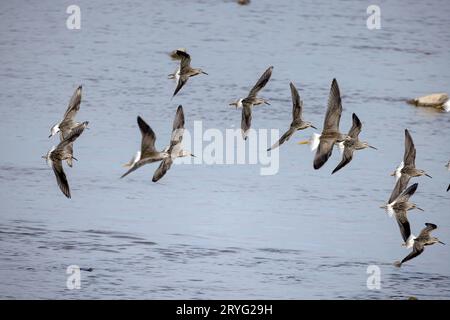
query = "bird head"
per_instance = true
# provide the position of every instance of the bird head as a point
(54, 130)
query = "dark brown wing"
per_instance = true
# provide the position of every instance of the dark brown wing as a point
(246, 120)
(181, 82)
(323, 152)
(417, 250)
(164, 166)
(400, 185)
(297, 104)
(356, 127)
(334, 109)
(70, 139)
(185, 63)
(347, 156)
(148, 138)
(403, 224)
(139, 164)
(61, 178)
(407, 193)
(262, 81)
(283, 138)
(410, 151)
(425, 233)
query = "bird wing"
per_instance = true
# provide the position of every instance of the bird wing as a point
(185, 63)
(356, 127)
(61, 178)
(74, 105)
(323, 152)
(181, 82)
(164, 166)
(66, 144)
(400, 185)
(347, 156)
(403, 224)
(283, 138)
(246, 120)
(148, 138)
(297, 104)
(177, 129)
(425, 233)
(262, 81)
(448, 188)
(139, 164)
(334, 109)
(407, 193)
(410, 151)
(417, 250)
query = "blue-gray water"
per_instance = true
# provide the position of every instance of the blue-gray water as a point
(219, 231)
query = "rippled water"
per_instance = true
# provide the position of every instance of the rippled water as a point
(219, 231)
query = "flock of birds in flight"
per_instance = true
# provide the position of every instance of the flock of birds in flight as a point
(397, 206)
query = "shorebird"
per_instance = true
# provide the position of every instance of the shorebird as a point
(330, 133)
(148, 153)
(424, 239)
(352, 143)
(63, 151)
(185, 71)
(407, 168)
(402, 201)
(435, 100)
(297, 121)
(65, 126)
(174, 149)
(252, 100)
(399, 208)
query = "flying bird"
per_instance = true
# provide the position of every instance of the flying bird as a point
(185, 71)
(399, 208)
(352, 143)
(424, 239)
(65, 126)
(252, 100)
(401, 202)
(330, 133)
(297, 122)
(61, 152)
(148, 152)
(175, 148)
(407, 168)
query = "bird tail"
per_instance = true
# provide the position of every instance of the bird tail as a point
(398, 264)
(410, 241)
(341, 147)
(412, 101)
(315, 140)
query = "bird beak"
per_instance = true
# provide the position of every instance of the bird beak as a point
(419, 209)
(204, 73)
(428, 175)
(441, 242)
(44, 157)
(374, 148)
(74, 158)
(383, 206)
(313, 127)
(193, 155)
(303, 142)
(50, 136)
(267, 103)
